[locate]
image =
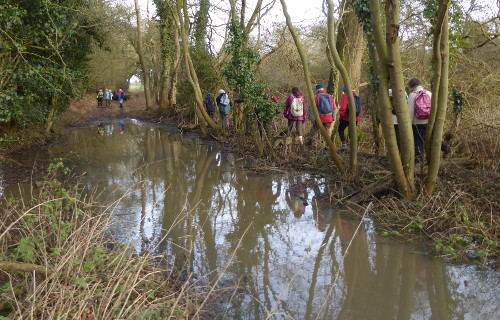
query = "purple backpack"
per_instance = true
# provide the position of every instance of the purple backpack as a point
(422, 105)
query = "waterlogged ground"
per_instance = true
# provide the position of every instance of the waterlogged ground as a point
(276, 236)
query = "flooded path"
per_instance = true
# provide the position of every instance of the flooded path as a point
(276, 236)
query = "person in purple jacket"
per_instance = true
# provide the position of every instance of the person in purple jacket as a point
(296, 113)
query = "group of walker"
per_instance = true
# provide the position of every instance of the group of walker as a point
(296, 112)
(107, 95)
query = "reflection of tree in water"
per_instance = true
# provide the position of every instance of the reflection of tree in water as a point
(376, 280)
(255, 196)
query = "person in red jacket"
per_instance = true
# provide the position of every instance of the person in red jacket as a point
(344, 117)
(326, 109)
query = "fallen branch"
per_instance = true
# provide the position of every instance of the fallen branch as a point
(24, 267)
(371, 190)
(188, 127)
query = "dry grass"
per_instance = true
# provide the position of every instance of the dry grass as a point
(455, 222)
(88, 277)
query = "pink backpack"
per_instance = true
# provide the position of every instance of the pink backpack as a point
(422, 105)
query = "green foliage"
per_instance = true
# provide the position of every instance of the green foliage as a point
(201, 22)
(204, 63)
(362, 10)
(25, 250)
(456, 24)
(8, 140)
(56, 165)
(261, 107)
(81, 282)
(151, 314)
(241, 69)
(240, 73)
(44, 46)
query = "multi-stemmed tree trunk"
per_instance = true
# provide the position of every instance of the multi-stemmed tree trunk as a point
(182, 19)
(305, 64)
(395, 67)
(434, 133)
(380, 59)
(353, 155)
(140, 53)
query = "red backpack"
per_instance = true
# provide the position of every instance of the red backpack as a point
(422, 105)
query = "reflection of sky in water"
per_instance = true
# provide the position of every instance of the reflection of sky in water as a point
(286, 263)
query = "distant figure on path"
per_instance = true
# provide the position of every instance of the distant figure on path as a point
(121, 126)
(109, 96)
(121, 97)
(100, 96)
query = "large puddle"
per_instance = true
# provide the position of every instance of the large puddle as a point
(276, 236)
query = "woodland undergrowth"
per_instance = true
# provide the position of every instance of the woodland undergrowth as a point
(57, 261)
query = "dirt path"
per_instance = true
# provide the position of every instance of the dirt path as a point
(82, 111)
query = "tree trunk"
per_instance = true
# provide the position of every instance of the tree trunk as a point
(374, 88)
(350, 46)
(353, 152)
(50, 119)
(140, 53)
(379, 60)
(166, 27)
(200, 29)
(172, 95)
(378, 139)
(398, 90)
(324, 132)
(440, 113)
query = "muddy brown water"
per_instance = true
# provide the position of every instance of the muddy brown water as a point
(274, 235)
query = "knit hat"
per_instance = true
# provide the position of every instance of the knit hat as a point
(319, 86)
(344, 89)
(221, 91)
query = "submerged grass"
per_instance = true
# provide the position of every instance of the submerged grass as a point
(57, 262)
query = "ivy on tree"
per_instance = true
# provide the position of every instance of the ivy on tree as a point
(240, 73)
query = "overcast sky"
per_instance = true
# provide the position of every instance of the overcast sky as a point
(300, 10)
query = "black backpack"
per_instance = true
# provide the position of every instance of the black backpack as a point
(209, 103)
